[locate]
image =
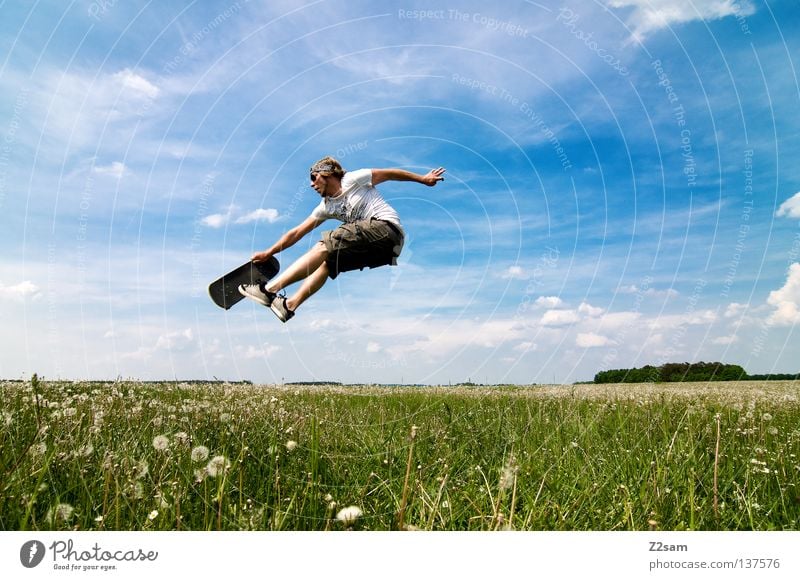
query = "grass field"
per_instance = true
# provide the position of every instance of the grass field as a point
(143, 456)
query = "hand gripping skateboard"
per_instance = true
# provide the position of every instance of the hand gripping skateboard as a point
(225, 291)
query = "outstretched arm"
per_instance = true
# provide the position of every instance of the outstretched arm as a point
(430, 179)
(288, 239)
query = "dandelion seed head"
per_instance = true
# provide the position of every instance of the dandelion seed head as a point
(85, 450)
(200, 453)
(218, 465)
(140, 469)
(766, 417)
(181, 439)
(291, 446)
(138, 490)
(349, 515)
(62, 513)
(161, 442)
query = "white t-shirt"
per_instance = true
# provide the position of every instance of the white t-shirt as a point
(359, 200)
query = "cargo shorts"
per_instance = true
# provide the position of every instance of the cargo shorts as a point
(363, 244)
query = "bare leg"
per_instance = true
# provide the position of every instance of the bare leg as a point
(306, 265)
(311, 284)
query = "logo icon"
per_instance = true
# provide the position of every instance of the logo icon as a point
(32, 553)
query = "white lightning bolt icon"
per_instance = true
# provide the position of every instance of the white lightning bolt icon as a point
(34, 549)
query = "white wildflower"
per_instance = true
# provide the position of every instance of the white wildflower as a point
(140, 469)
(161, 442)
(181, 439)
(291, 446)
(349, 515)
(508, 474)
(62, 513)
(217, 466)
(200, 453)
(153, 515)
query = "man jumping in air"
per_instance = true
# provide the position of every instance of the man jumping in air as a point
(370, 236)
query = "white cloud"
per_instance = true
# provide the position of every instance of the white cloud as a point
(218, 220)
(19, 292)
(514, 273)
(589, 310)
(790, 207)
(725, 340)
(136, 85)
(634, 289)
(116, 169)
(265, 351)
(735, 309)
(175, 340)
(259, 215)
(591, 340)
(671, 321)
(559, 317)
(526, 346)
(374, 347)
(619, 320)
(651, 15)
(786, 300)
(549, 301)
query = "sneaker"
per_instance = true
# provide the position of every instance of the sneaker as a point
(280, 309)
(257, 292)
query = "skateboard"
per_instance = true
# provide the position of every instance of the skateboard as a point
(225, 291)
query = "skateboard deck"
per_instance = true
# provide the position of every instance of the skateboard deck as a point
(225, 290)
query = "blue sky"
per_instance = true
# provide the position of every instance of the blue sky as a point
(623, 186)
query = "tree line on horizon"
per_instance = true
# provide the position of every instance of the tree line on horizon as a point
(686, 372)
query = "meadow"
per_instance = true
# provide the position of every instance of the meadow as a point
(180, 456)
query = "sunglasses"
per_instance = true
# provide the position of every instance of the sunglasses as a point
(313, 176)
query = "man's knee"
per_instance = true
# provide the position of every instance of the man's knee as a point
(321, 249)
